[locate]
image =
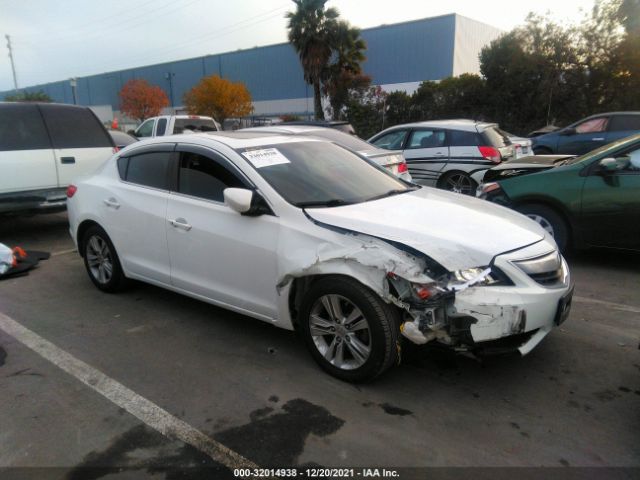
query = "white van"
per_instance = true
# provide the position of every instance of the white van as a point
(43, 148)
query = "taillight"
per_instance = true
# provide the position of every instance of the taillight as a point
(116, 149)
(71, 191)
(491, 153)
(402, 167)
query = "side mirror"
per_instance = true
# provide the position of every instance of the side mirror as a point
(568, 131)
(611, 165)
(245, 202)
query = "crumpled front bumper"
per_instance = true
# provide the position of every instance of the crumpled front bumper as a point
(498, 312)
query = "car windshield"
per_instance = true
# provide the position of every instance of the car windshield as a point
(321, 174)
(344, 139)
(610, 147)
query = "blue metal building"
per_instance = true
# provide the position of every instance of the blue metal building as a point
(399, 57)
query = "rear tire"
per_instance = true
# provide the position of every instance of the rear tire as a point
(550, 221)
(349, 330)
(458, 182)
(101, 260)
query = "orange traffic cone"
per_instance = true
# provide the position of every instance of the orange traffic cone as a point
(114, 124)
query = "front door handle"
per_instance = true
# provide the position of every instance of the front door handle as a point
(67, 160)
(111, 202)
(439, 154)
(180, 223)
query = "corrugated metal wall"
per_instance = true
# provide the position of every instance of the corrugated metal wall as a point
(405, 52)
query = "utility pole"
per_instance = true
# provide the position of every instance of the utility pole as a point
(13, 67)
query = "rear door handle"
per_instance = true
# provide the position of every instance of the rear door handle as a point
(180, 223)
(111, 202)
(597, 139)
(439, 154)
(67, 160)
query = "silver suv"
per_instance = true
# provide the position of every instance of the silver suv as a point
(447, 154)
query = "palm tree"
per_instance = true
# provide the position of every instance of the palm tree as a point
(310, 28)
(345, 72)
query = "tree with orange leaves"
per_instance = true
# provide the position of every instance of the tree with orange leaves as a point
(218, 98)
(141, 100)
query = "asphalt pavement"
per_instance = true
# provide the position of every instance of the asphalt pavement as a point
(253, 390)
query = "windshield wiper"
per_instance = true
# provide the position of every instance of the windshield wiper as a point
(334, 202)
(390, 193)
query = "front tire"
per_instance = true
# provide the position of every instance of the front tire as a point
(351, 333)
(550, 221)
(101, 260)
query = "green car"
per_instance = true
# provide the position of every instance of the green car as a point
(587, 201)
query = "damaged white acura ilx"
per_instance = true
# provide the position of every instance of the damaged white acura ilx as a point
(307, 235)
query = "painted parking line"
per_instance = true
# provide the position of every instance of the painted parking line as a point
(138, 406)
(604, 303)
(64, 252)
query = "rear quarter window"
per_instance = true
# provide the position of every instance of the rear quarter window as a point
(74, 127)
(22, 128)
(494, 138)
(458, 138)
(147, 169)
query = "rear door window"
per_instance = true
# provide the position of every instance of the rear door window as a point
(148, 169)
(74, 127)
(427, 139)
(204, 177)
(623, 123)
(22, 128)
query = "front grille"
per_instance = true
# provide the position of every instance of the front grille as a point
(545, 269)
(547, 278)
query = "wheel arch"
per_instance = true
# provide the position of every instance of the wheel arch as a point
(301, 285)
(82, 228)
(556, 207)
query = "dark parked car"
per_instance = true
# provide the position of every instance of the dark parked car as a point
(121, 139)
(591, 200)
(588, 134)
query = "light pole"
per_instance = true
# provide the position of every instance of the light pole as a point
(13, 67)
(74, 84)
(169, 77)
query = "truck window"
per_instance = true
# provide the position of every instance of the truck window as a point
(22, 128)
(162, 127)
(74, 127)
(146, 129)
(194, 125)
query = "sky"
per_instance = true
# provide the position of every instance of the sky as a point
(56, 40)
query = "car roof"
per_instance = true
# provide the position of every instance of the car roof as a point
(455, 124)
(234, 140)
(291, 129)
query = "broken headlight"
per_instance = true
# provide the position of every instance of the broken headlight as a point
(477, 276)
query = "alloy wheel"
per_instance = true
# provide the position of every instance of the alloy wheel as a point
(99, 259)
(459, 183)
(340, 332)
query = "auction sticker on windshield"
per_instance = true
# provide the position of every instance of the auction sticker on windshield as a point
(265, 157)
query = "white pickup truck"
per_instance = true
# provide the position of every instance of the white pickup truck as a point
(175, 124)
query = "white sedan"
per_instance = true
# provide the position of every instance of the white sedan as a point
(307, 235)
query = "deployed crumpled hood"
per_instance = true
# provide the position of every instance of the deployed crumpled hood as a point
(455, 230)
(524, 166)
